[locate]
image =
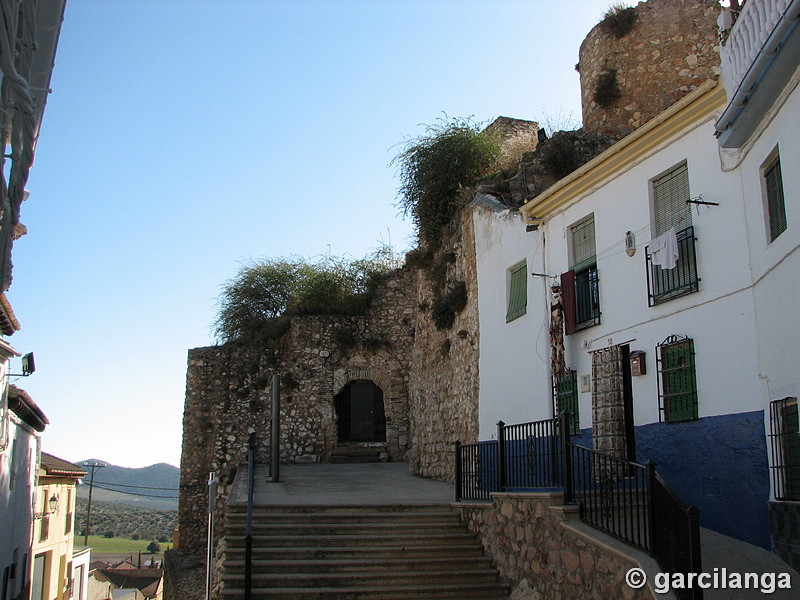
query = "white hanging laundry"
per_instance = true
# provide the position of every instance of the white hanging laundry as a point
(664, 249)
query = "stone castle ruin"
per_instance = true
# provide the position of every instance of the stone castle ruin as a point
(391, 382)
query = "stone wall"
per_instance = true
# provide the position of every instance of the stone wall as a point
(543, 557)
(673, 48)
(444, 372)
(228, 395)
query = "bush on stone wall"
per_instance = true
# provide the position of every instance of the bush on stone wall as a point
(258, 301)
(435, 167)
(619, 20)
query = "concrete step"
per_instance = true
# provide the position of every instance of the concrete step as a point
(490, 591)
(349, 579)
(328, 541)
(366, 563)
(341, 509)
(358, 453)
(441, 516)
(427, 552)
(345, 528)
(359, 553)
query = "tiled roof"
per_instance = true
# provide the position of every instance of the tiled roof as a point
(25, 408)
(8, 321)
(56, 467)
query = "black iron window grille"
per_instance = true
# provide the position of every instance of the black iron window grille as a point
(666, 284)
(565, 398)
(584, 259)
(784, 433)
(677, 379)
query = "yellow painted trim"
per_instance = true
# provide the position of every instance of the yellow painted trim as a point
(701, 103)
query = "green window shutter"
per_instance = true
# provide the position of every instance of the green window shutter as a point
(583, 245)
(566, 389)
(679, 381)
(776, 207)
(518, 293)
(670, 194)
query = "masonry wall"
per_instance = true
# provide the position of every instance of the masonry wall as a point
(673, 48)
(541, 556)
(444, 363)
(228, 395)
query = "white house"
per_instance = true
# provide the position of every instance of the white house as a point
(676, 262)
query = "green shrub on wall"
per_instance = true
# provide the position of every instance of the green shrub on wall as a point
(619, 20)
(259, 300)
(434, 168)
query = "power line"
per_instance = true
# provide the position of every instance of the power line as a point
(100, 487)
(138, 487)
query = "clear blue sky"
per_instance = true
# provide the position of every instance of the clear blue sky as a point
(184, 136)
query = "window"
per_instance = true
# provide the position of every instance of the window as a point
(676, 376)
(517, 292)
(776, 208)
(44, 527)
(565, 393)
(667, 279)
(784, 432)
(580, 290)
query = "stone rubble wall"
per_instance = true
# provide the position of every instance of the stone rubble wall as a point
(673, 48)
(444, 372)
(228, 396)
(544, 559)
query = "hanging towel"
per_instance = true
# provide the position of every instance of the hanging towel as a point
(664, 249)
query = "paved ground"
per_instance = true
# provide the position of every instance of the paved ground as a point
(391, 483)
(358, 484)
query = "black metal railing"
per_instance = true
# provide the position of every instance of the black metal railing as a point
(476, 471)
(248, 540)
(587, 298)
(675, 533)
(784, 428)
(612, 494)
(666, 284)
(624, 499)
(529, 455)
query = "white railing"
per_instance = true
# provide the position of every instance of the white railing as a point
(746, 37)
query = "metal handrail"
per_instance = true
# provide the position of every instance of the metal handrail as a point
(248, 540)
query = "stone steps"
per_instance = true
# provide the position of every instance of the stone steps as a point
(358, 553)
(359, 453)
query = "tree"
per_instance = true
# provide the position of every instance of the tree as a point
(254, 300)
(435, 167)
(153, 547)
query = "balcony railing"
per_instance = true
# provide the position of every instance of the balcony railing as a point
(744, 36)
(666, 284)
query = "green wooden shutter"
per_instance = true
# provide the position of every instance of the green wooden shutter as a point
(776, 207)
(679, 381)
(670, 194)
(583, 245)
(518, 293)
(566, 390)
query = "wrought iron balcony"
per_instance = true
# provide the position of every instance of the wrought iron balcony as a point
(756, 52)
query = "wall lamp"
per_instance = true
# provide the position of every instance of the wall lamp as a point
(52, 504)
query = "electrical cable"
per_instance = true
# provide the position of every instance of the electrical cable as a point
(138, 487)
(134, 493)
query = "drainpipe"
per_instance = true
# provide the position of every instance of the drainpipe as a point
(275, 431)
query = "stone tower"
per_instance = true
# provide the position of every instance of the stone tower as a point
(636, 63)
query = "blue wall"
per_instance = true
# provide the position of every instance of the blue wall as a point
(719, 464)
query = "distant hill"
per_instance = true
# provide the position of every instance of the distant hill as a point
(154, 487)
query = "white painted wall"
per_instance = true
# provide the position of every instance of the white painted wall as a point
(514, 357)
(776, 265)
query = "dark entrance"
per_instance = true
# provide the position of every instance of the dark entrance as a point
(359, 408)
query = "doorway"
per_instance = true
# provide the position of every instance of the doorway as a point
(360, 412)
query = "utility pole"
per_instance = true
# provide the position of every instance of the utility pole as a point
(93, 466)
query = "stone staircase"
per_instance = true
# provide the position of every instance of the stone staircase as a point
(382, 552)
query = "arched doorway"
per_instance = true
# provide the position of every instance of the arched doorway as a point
(360, 412)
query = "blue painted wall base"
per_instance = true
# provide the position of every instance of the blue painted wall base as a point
(719, 464)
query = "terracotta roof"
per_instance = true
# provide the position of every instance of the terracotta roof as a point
(8, 321)
(25, 408)
(56, 467)
(147, 581)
